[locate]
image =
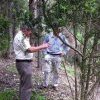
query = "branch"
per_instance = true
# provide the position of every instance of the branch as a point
(70, 46)
(94, 85)
(68, 79)
(78, 40)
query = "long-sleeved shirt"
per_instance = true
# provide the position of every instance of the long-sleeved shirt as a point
(56, 45)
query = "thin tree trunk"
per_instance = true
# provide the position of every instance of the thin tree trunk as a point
(10, 29)
(35, 8)
(75, 65)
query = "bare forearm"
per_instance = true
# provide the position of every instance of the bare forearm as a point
(35, 49)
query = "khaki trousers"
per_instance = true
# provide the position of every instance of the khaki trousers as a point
(51, 68)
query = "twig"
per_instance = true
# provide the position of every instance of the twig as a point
(95, 84)
(68, 79)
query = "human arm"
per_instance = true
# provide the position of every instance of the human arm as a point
(35, 49)
(65, 47)
(26, 47)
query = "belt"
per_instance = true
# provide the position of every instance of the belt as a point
(53, 54)
(26, 60)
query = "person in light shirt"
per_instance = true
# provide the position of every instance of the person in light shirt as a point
(24, 54)
(53, 55)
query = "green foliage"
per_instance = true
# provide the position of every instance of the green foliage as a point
(19, 9)
(73, 10)
(4, 42)
(12, 95)
(37, 96)
(8, 95)
(90, 6)
(28, 19)
(80, 37)
(4, 37)
(16, 11)
(70, 70)
(4, 23)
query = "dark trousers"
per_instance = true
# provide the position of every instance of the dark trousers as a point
(25, 71)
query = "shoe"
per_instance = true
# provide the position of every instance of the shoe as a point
(42, 87)
(53, 87)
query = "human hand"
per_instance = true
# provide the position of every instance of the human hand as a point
(45, 45)
(62, 54)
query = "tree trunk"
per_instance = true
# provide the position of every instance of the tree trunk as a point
(36, 10)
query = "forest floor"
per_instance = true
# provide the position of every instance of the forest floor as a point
(9, 79)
